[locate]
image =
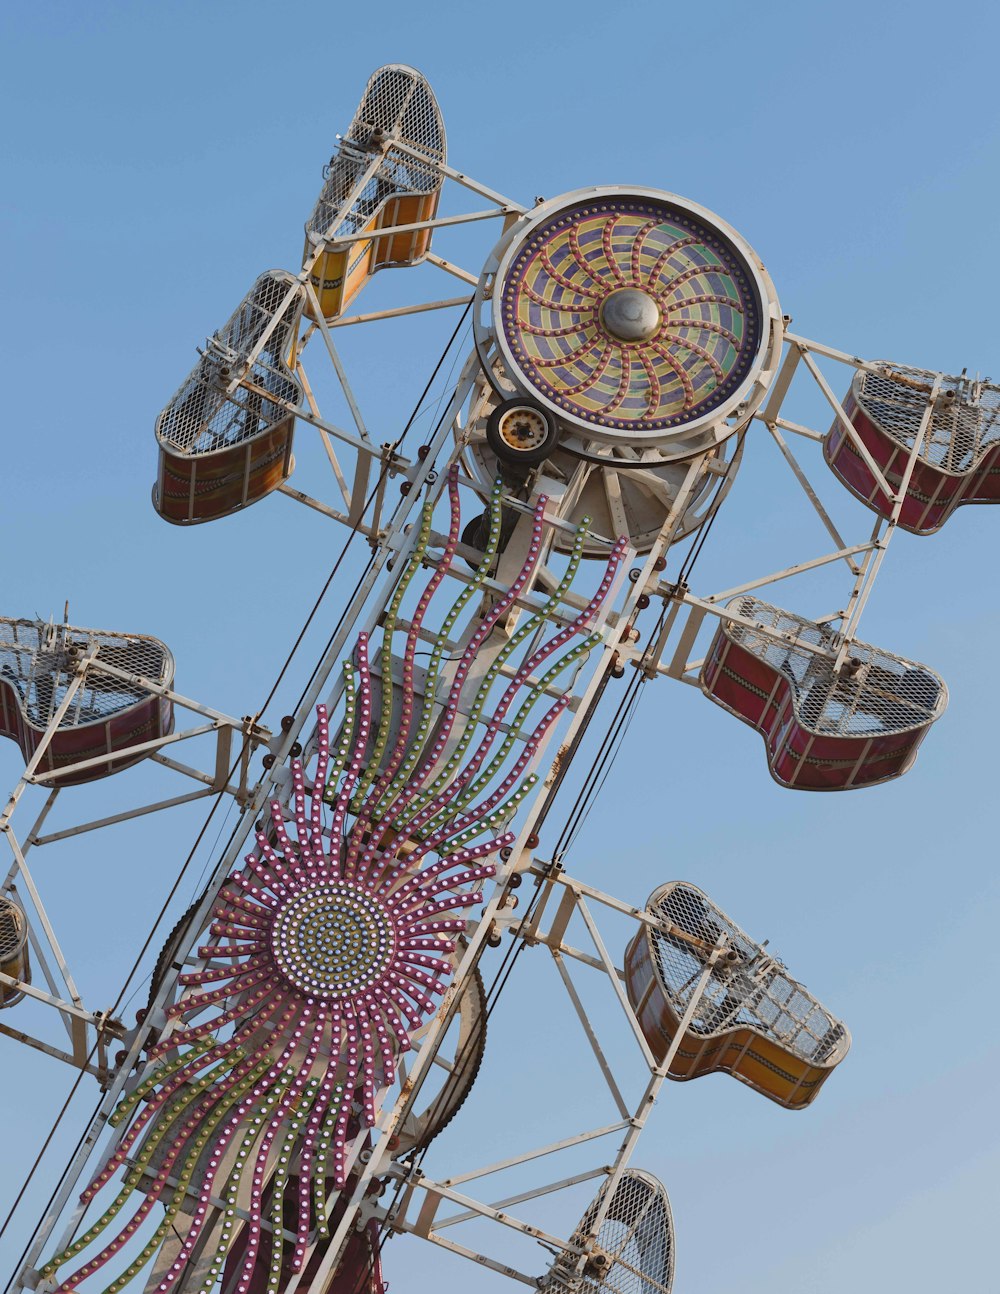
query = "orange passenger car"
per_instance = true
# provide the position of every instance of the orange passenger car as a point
(385, 173)
(14, 958)
(225, 438)
(753, 1020)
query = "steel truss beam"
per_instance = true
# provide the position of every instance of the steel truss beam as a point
(685, 612)
(91, 1031)
(390, 530)
(396, 543)
(562, 900)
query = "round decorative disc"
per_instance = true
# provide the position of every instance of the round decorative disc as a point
(333, 939)
(631, 315)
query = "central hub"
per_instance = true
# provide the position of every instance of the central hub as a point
(629, 314)
(333, 940)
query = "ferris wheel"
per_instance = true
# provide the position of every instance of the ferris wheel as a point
(319, 1016)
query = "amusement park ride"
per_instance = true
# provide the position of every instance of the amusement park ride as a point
(319, 1015)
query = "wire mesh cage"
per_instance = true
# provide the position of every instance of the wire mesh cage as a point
(632, 1249)
(957, 459)
(225, 437)
(386, 172)
(13, 949)
(752, 1018)
(397, 105)
(107, 714)
(824, 729)
(420, 771)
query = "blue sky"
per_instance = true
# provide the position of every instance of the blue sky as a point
(159, 157)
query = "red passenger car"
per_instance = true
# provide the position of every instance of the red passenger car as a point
(824, 730)
(959, 456)
(226, 437)
(108, 715)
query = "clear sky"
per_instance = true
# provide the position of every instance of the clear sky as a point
(159, 157)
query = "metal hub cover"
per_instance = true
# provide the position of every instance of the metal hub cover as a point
(633, 315)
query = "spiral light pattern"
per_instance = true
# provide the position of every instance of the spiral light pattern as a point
(332, 943)
(631, 314)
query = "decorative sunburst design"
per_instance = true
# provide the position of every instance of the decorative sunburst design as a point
(330, 946)
(631, 314)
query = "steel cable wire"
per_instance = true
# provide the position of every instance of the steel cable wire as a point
(215, 805)
(593, 784)
(698, 542)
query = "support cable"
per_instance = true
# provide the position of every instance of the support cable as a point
(598, 763)
(368, 501)
(593, 783)
(698, 542)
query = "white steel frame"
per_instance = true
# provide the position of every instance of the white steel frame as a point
(687, 611)
(417, 1210)
(365, 508)
(90, 1032)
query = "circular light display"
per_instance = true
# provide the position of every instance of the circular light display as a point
(333, 940)
(631, 314)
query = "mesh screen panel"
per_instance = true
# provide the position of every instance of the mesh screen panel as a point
(39, 660)
(636, 1237)
(398, 104)
(875, 693)
(13, 930)
(965, 423)
(751, 988)
(201, 417)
